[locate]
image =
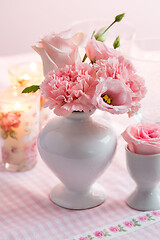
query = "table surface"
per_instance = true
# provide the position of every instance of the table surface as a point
(27, 213)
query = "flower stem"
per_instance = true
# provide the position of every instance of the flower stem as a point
(118, 18)
(84, 58)
(99, 37)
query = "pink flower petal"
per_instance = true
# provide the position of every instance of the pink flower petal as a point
(143, 138)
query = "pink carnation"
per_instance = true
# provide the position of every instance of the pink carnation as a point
(114, 67)
(134, 108)
(99, 234)
(117, 91)
(121, 69)
(137, 85)
(70, 89)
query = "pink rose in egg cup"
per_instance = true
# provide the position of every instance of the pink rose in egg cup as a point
(143, 163)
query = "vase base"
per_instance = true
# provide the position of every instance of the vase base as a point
(65, 198)
(144, 201)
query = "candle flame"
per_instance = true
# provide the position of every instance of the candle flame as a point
(15, 93)
(33, 66)
(17, 106)
(25, 77)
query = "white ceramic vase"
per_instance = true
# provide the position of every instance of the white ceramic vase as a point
(145, 170)
(78, 150)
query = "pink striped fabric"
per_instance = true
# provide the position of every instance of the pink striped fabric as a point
(26, 212)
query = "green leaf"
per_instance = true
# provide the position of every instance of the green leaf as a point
(32, 88)
(149, 217)
(136, 223)
(119, 17)
(116, 43)
(121, 228)
(134, 220)
(90, 237)
(106, 233)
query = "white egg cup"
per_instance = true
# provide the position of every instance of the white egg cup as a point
(145, 170)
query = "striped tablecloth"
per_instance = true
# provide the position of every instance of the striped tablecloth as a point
(26, 213)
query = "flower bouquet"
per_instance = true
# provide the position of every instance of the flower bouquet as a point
(107, 81)
(76, 148)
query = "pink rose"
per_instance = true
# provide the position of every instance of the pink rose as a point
(58, 50)
(96, 50)
(70, 89)
(143, 138)
(129, 223)
(10, 120)
(83, 238)
(99, 234)
(112, 96)
(114, 229)
(143, 218)
(155, 213)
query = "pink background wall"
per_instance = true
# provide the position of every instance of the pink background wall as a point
(22, 22)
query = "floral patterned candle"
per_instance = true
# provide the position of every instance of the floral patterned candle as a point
(19, 127)
(26, 74)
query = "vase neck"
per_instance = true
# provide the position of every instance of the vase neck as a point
(80, 115)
